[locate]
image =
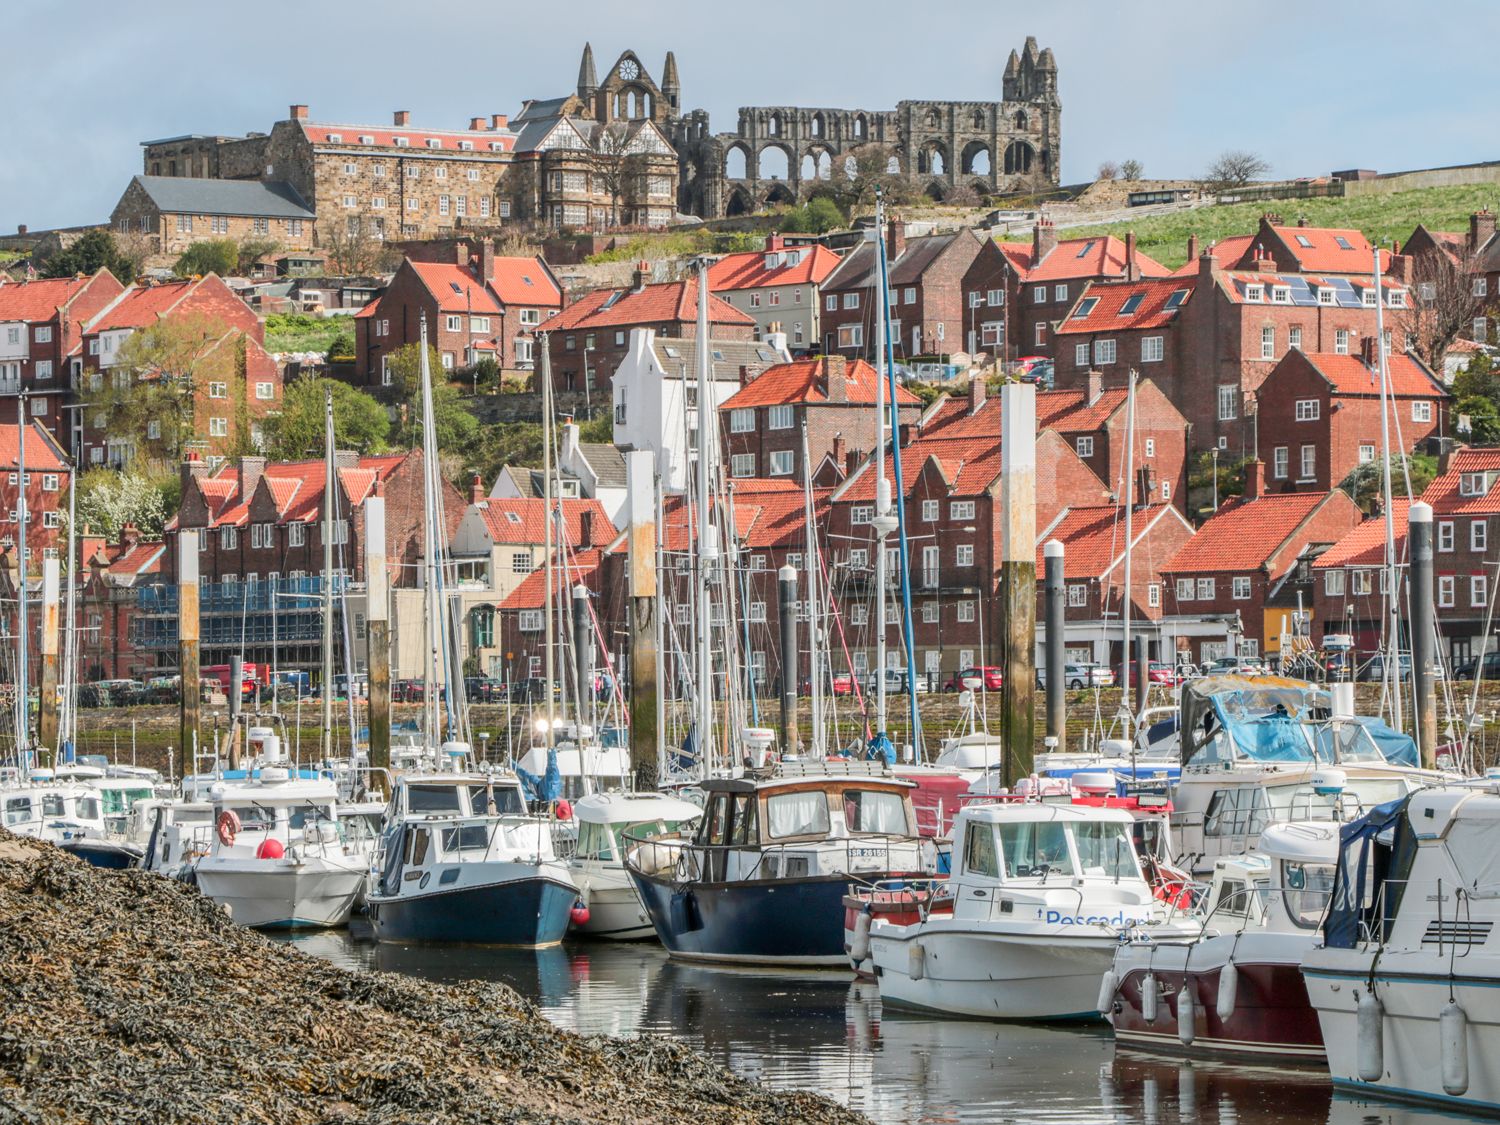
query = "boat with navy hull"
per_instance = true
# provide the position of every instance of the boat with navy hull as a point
(462, 860)
(762, 880)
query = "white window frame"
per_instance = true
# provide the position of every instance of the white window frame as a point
(780, 417)
(1479, 535)
(1084, 445)
(1446, 591)
(1239, 587)
(1308, 409)
(1153, 349)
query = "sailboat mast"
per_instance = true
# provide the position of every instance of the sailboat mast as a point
(883, 522)
(432, 728)
(1390, 672)
(67, 733)
(814, 604)
(708, 538)
(550, 621)
(23, 711)
(1129, 492)
(327, 574)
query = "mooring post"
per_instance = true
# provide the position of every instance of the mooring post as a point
(640, 489)
(233, 693)
(583, 652)
(187, 645)
(1056, 620)
(377, 633)
(1419, 523)
(1018, 576)
(50, 587)
(786, 590)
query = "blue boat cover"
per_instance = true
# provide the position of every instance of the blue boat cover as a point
(1365, 864)
(880, 748)
(547, 788)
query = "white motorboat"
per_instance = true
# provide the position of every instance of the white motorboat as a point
(1239, 984)
(614, 908)
(462, 860)
(1406, 983)
(1040, 897)
(275, 858)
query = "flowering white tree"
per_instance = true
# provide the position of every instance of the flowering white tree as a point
(108, 500)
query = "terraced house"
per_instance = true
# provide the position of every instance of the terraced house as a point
(779, 288)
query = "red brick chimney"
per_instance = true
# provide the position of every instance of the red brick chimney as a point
(193, 468)
(1262, 262)
(1367, 353)
(251, 470)
(839, 450)
(895, 239)
(836, 371)
(130, 535)
(499, 121)
(1208, 266)
(586, 528)
(487, 260)
(1043, 240)
(1302, 221)
(461, 253)
(476, 123)
(401, 118)
(775, 241)
(1192, 247)
(1132, 266)
(976, 394)
(1094, 382)
(298, 113)
(1481, 228)
(1255, 479)
(476, 490)
(641, 275)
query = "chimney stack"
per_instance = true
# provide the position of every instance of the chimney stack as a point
(774, 241)
(1255, 479)
(298, 112)
(499, 121)
(251, 470)
(476, 490)
(1208, 266)
(1043, 240)
(976, 394)
(586, 528)
(461, 253)
(1192, 248)
(837, 370)
(895, 239)
(401, 118)
(1132, 267)
(641, 275)
(1368, 352)
(1302, 221)
(839, 449)
(1095, 384)
(193, 468)
(476, 123)
(1481, 228)
(487, 260)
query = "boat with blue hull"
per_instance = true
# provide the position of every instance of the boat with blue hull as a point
(462, 859)
(762, 880)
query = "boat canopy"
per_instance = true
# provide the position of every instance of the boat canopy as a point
(1262, 716)
(1375, 855)
(1367, 739)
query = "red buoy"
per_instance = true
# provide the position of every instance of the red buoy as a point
(562, 810)
(579, 915)
(270, 849)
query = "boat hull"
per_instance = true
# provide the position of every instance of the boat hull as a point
(107, 854)
(270, 894)
(615, 910)
(1412, 988)
(525, 909)
(1272, 1016)
(968, 971)
(793, 922)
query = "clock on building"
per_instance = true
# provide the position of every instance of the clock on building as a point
(629, 70)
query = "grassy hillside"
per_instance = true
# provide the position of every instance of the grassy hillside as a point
(1381, 218)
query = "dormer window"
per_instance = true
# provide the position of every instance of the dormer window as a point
(433, 142)
(1368, 298)
(335, 138)
(1475, 484)
(467, 146)
(1281, 294)
(496, 146)
(1326, 296)
(403, 142)
(773, 261)
(1396, 298)
(366, 139)
(1255, 292)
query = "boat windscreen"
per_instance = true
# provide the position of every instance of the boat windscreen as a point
(433, 798)
(500, 799)
(875, 811)
(1034, 849)
(1261, 722)
(1105, 849)
(803, 813)
(1366, 739)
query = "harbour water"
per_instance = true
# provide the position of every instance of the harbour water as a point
(824, 1032)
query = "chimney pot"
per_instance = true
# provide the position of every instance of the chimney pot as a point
(1043, 240)
(298, 113)
(476, 490)
(401, 118)
(641, 276)
(499, 121)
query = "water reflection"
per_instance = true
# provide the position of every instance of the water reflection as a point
(820, 1031)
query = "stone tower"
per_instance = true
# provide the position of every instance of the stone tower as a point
(670, 87)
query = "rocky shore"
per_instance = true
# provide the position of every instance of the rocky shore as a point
(125, 997)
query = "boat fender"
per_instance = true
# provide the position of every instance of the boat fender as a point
(562, 810)
(228, 826)
(1229, 982)
(859, 948)
(270, 848)
(579, 915)
(1370, 1020)
(1453, 1033)
(1187, 1015)
(1148, 998)
(916, 961)
(1107, 985)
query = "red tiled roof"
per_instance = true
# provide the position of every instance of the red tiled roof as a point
(416, 136)
(572, 567)
(524, 520)
(141, 305)
(806, 380)
(748, 270)
(525, 281)
(1443, 493)
(369, 310)
(456, 289)
(1349, 375)
(772, 513)
(34, 301)
(1235, 293)
(1100, 256)
(1228, 252)
(1067, 411)
(141, 558)
(1244, 534)
(43, 454)
(295, 487)
(1093, 537)
(1365, 545)
(660, 304)
(1148, 301)
(1325, 255)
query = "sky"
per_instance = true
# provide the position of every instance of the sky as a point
(1312, 87)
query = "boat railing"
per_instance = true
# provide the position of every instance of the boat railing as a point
(924, 892)
(690, 860)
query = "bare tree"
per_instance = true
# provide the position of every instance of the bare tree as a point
(354, 248)
(607, 158)
(1131, 169)
(866, 170)
(1236, 168)
(1108, 170)
(1443, 303)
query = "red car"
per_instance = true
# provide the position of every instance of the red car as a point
(994, 680)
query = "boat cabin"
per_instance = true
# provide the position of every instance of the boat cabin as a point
(438, 795)
(605, 818)
(49, 811)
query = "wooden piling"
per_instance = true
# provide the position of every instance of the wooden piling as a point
(377, 633)
(187, 646)
(640, 486)
(1018, 576)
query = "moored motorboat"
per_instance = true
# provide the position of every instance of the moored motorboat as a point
(612, 908)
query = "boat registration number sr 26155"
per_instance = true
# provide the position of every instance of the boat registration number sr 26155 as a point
(867, 853)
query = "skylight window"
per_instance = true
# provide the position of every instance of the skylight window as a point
(1175, 300)
(672, 353)
(1132, 303)
(454, 286)
(718, 355)
(526, 278)
(1343, 242)
(512, 517)
(1085, 307)
(1304, 242)
(1087, 246)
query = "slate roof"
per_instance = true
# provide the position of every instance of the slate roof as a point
(607, 462)
(676, 355)
(273, 199)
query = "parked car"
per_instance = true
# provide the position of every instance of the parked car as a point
(842, 683)
(895, 682)
(994, 679)
(484, 689)
(1234, 666)
(1042, 374)
(1374, 668)
(1078, 675)
(1468, 669)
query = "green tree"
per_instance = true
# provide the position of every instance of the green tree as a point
(1366, 483)
(1484, 419)
(1477, 379)
(215, 255)
(359, 421)
(455, 426)
(341, 350)
(817, 215)
(93, 252)
(598, 430)
(252, 249)
(404, 366)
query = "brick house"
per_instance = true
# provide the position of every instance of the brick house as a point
(1094, 548)
(780, 288)
(107, 598)
(519, 647)
(1319, 414)
(234, 381)
(1349, 582)
(1446, 266)
(989, 287)
(48, 478)
(832, 397)
(41, 338)
(475, 302)
(1276, 247)
(1210, 340)
(1232, 568)
(591, 336)
(178, 211)
(926, 294)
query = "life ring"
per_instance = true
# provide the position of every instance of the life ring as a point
(228, 827)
